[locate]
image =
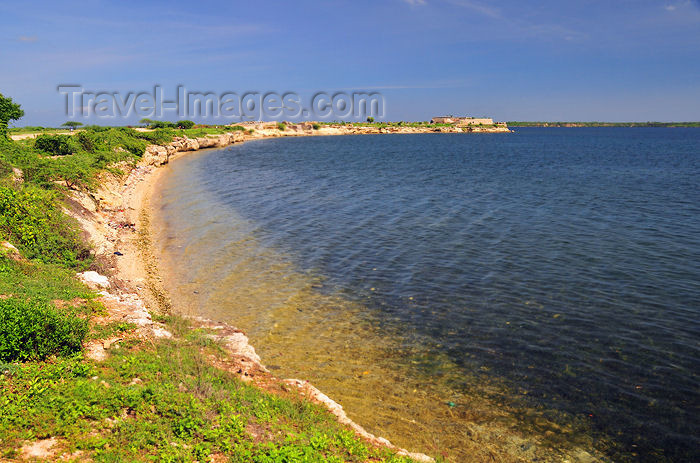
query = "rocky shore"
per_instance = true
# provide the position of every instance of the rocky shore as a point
(157, 155)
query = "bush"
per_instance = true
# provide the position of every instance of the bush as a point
(32, 220)
(158, 136)
(185, 124)
(316, 126)
(5, 169)
(163, 125)
(238, 127)
(281, 126)
(31, 330)
(96, 128)
(57, 145)
(86, 142)
(111, 139)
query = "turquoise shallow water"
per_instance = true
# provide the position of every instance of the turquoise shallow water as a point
(564, 262)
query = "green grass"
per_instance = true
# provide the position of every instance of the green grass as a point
(110, 329)
(179, 409)
(39, 281)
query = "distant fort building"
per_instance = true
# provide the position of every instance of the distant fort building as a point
(461, 121)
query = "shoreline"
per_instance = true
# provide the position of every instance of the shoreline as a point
(121, 228)
(117, 219)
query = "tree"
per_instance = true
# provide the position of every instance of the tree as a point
(185, 124)
(9, 111)
(370, 119)
(72, 124)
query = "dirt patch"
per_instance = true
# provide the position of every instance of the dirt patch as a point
(42, 449)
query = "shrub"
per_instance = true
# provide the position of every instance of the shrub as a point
(238, 127)
(35, 167)
(77, 171)
(5, 168)
(163, 125)
(31, 330)
(96, 128)
(158, 136)
(370, 119)
(32, 220)
(316, 126)
(112, 139)
(57, 145)
(86, 142)
(185, 124)
(281, 126)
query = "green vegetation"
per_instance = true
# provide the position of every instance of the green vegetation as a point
(315, 126)
(40, 282)
(56, 145)
(30, 218)
(281, 126)
(164, 402)
(9, 111)
(35, 330)
(603, 124)
(185, 124)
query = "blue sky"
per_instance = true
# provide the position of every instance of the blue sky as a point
(622, 60)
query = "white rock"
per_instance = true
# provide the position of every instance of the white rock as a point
(94, 280)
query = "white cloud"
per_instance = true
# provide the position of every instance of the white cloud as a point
(416, 2)
(681, 4)
(28, 39)
(478, 7)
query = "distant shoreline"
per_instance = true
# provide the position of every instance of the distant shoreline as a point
(603, 124)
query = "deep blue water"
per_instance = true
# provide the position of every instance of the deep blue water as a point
(567, 261)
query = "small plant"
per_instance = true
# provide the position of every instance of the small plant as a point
(281, 126)
(315, 126)
(238, 128)
(31, 330)
(370, 119)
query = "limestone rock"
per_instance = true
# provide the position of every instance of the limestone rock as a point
(156, 155)
(7, 249)
(94, 280)
(17, 175)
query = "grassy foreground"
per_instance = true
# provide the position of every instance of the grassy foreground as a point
(150, 400)
(163, 401)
